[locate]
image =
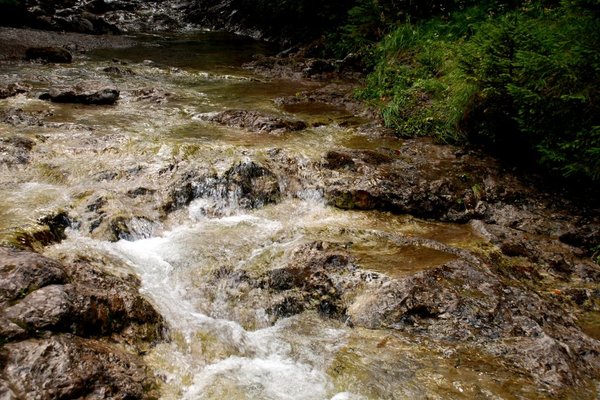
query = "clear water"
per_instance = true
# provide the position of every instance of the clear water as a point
(222, 348)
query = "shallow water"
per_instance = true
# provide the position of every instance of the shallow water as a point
(219, 349)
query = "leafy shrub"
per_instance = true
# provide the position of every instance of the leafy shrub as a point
(540, 77)
(522, 79)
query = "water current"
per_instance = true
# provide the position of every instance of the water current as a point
(223, 346)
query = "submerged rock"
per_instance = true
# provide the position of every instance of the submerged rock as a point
(255, 121)
(81, 95)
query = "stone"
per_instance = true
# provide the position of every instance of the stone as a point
(39, 294)
(15, 150)
(11, 90)
(49, 308)
(58, 329)
(338, 159)
(118, 71)
(245, 184)
(24, 272)
(66, 366)
(255, 185)
(49, 55)
(79, 95)
(255, 121)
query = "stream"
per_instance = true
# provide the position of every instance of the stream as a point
(197, 262)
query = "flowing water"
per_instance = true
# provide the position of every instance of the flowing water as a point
(223, 346)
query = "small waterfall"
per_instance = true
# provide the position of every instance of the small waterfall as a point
(217, 355)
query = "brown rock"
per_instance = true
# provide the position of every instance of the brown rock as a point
(49, 54)
(254, 121)
(24, 272)
(68, 367)
(106, 96)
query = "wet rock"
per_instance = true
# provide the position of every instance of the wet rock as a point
(48, 308)
(253, 185)
(349, 159)
(184, 192)
(318, 67)
(106, 17)
(19, 117)
(70, 18)
(128, 228)
(39, 294)
(15, 150)
(583, 235)
(246, 185)
(105, 305)
(66, 366)
(82, 95)
(463, 302)
(12, 89)
(296, 67)
(103, 6)
(319, 277)
(254, 121)
(24, 272)
(339, 95)
(47, 230)
(57, 326)
(48, 54)
(313, 281)
(15, 41)
(140, 191)
(96, 204)
(152, 95)
(56, 223)
(422, 179)
(118, 71)
(105, 176)
(338, 159)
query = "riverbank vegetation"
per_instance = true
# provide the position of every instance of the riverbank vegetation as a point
(521, 78)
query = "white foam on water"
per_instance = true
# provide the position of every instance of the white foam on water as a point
(260, 364)
(263, 378)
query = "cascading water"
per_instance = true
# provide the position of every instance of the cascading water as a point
(202, 263)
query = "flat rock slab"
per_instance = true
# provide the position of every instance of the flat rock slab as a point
(255, 121)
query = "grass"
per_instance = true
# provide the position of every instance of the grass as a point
(522, 82)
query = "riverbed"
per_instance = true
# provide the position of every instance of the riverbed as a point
(117, 171)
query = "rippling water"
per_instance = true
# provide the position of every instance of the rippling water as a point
(221, 348)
